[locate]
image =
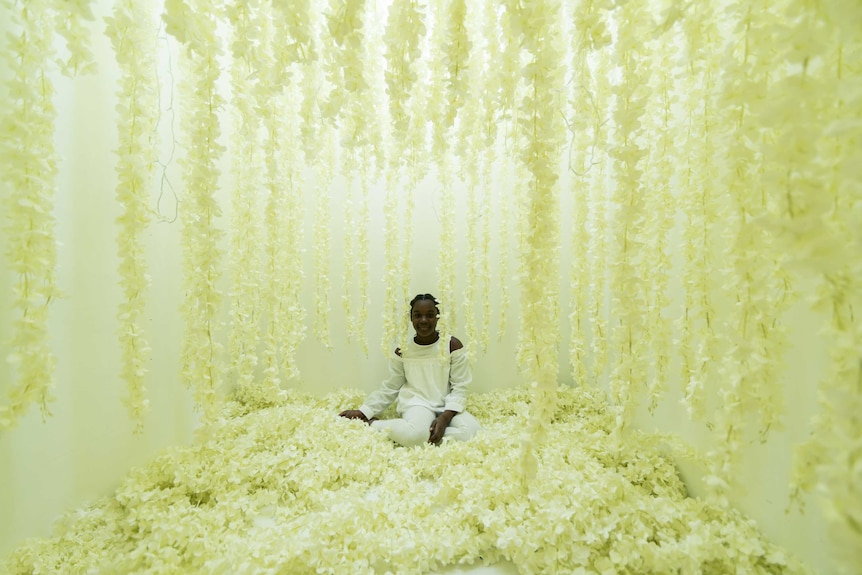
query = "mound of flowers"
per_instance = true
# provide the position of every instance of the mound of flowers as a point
(293, 488)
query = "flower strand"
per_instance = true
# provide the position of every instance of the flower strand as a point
(628, 289)
(245, 262)
(194, 24)
(132, 33)
(29, 163)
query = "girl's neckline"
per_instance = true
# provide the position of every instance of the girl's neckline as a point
(427, 344)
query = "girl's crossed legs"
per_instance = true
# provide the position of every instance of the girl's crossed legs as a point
(413, 428)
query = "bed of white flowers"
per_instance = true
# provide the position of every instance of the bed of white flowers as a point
(293, 488)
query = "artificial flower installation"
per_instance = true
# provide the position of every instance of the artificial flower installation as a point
(533, 106)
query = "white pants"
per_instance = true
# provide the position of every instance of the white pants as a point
(414, 426)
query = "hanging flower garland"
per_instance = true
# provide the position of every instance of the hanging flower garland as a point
(70, 22)
(543, 132)
(740, 173)
(279, 108)
(324, 170)
(350, 167)
(362, 249)
(772, 294)
(374, 125)
(194, 25)
(818, 226)
(344, 62)
(393, 302)
(488, 46)
(755, 350)
(245, 236)
(442, 134)
(470, 141)
(597, 244)
(583, 126)
(131, 30)
(833, 452)
(275, 273)
(487, 157)
(404, 253)
(29, 167)
(698, 324)
(351, 239)
(476, 150)
(510, 64)
(317, 136)
(396, 298)
(447, 324)
(628, 287)
(597, 220)
(316, 145)
(660, 206)
(293, 20)
(442, 154)
(344, 65)
(506, 191)
(415, 167)
(484, 279)
(407, 331)
(483, 24)
(371, 105)
(468, 295)
(404, 29)
(360, 135)
(357, 246)
(456, 48)
(498, 194)
(579, 276)
(284, 237)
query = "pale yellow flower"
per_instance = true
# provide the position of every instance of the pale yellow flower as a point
(131, 29)
(202, 363)
(29, 165)
(293, 488)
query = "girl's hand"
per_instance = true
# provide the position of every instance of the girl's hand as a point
(353, 414)
(439, 425)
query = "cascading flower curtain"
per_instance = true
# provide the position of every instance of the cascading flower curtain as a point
(818, 228)
(29, 165)
(726, 136)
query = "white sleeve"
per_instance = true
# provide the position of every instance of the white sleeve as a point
(383, 397)
(459, 380)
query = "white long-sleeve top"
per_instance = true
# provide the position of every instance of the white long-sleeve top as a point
(422, 375)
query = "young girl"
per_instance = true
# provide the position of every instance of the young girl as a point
(431, 390)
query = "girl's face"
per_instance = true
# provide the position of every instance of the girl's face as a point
(424, 317)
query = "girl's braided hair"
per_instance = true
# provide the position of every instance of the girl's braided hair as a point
(424, 296)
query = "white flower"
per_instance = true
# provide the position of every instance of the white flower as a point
(295, 488)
